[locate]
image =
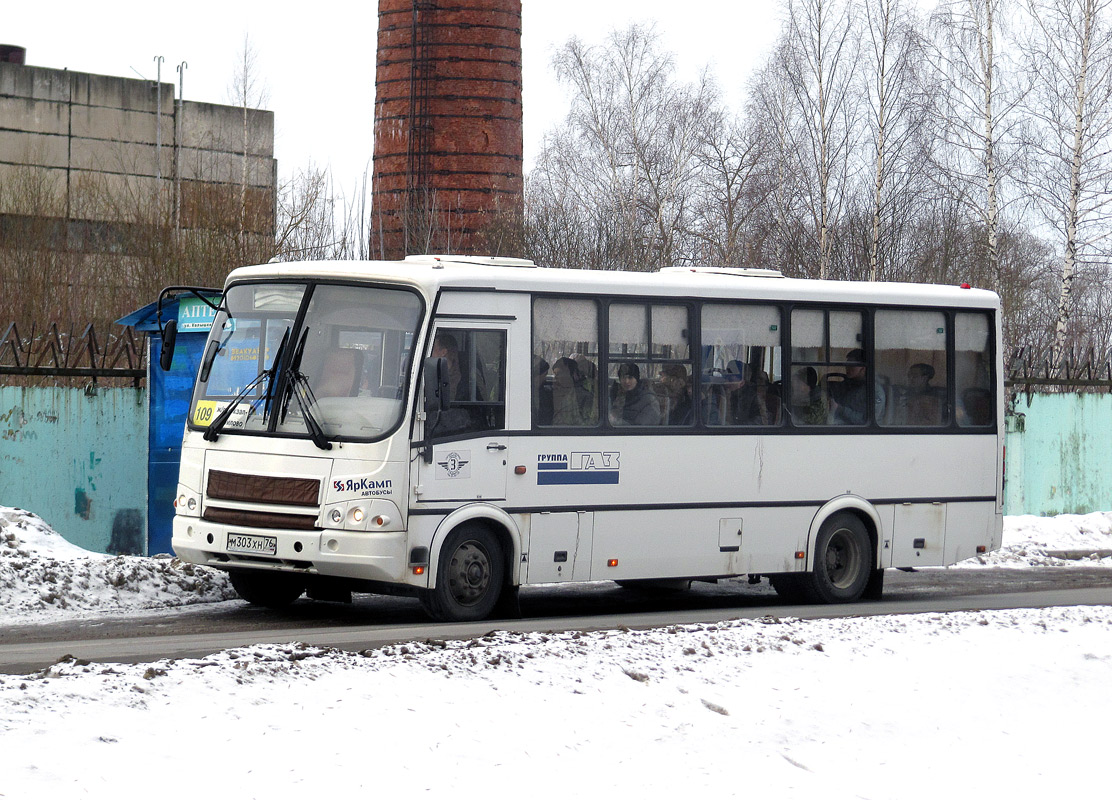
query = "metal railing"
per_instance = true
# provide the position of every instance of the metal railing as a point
(52, 352)
(1033, 369)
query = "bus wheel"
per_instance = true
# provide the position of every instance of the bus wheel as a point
(270, 589)
(468, 578)
(843, 560)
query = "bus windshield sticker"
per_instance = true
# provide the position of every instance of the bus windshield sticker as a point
(457, 464)
(207, 410)
(578, 468)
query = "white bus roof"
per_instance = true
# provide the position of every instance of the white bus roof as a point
(430, 273)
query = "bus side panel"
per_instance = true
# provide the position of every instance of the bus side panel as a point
(773, 484)
(969, 525)
(687, 543)
(658, 544)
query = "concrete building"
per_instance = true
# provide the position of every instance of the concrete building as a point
(94, 165)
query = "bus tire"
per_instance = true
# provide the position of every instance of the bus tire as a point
(469, 576)
(843, 560)
(269, 589)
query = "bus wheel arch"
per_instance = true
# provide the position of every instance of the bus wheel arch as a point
(843, 544)
(473, 564)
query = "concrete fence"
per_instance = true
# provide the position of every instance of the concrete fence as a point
(1058, 455)
(78, 458)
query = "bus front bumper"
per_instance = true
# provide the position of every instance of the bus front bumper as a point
(378, 556)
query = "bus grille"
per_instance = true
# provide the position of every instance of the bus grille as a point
(259, 519)
(263, 489)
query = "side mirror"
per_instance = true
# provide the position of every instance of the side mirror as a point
(437, 388)
(169, 337)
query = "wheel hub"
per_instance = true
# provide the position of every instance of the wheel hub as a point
(470, 573)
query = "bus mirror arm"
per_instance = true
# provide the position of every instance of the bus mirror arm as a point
(437, 395)
(169, 329)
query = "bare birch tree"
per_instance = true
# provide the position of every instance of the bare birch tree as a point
(894, 113)
(773, 117)
(247, 91)
(975, 112)
(734, 182)
(629, 149)
(1069, 55)
(820, 59)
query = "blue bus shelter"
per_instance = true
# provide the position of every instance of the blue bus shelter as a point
(169, 394)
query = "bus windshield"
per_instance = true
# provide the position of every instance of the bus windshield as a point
(341, 373)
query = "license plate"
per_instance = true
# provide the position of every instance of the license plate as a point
(251, 544)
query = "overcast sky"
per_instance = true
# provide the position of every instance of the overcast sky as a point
(318, 61)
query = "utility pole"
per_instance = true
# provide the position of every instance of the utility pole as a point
(158, 113)
(177, 145)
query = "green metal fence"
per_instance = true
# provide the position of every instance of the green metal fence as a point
(1058, 455)
(78, 458)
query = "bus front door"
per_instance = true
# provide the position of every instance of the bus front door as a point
(468, 439)
(471, 469)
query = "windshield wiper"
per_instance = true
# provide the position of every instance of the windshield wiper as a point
(271, 388)
(222, 418)
(301, 392)
(297, 386)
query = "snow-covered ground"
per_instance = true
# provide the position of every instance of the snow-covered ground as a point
(973, 704)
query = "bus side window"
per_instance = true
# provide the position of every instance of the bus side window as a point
(911, 367)
(973, 370)
(565, 378)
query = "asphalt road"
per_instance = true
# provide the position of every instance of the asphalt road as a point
(373, 621)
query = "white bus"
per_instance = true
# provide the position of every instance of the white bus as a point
(455, 428)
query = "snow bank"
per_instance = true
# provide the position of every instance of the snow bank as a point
(1080, 540)
(43, 577)
(971, 704)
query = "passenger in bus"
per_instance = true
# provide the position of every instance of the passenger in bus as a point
(570, 398)
(849, 402)
(743, 406)
(925, 403)
(630, 402)
(768, 397)
(542, 392)
(445, 346)
(460, 418)
(341, 374)
(809, 406)
(587, 370)
(678, 394)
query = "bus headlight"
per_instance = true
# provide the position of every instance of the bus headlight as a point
(186, 503)
(363, 515)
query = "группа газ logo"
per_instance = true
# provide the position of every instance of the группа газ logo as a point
(578, 468)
